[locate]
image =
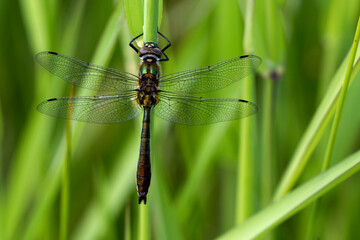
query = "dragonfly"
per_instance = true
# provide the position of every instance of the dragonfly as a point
(168, 97)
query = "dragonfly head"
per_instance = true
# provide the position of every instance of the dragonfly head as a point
(150, 52)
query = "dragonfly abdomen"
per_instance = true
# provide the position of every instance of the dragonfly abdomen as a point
(144, 168)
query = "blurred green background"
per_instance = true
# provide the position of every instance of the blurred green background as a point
(196, 170)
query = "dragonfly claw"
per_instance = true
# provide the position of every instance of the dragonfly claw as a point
(142, 197)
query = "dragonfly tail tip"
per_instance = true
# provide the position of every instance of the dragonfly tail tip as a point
(142, 198)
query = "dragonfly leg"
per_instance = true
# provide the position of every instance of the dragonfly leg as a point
(132, 40)
(164, 59)
(167, 46)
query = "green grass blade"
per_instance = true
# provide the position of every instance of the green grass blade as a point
(296, 200)
(334, 35)
(313, 133)
(143, 230)
(108, 38)
(34, 14)
(43, 203)
(135, 16)
(329, 150)
(151, 20)
(245, 177)
(2, 185)
(21, 175)
(137, 11)
(341, 99)
(123, 172)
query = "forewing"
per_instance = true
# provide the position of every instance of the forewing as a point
(210, 78)
(192, 110)
(86, 75)
(96, 109)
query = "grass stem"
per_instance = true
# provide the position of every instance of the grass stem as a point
(64, 216)
(151, 13)
(341, 99)
(311, 234)
(245, 183)
(144, 228)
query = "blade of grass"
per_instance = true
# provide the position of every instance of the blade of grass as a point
(64, 208)
(2, 191)
(144, 222)
(123, 172)
(341, 99)
(245, 183)
(204, 158)
(44, 196)
(108, 38)
(151, 20)
(168, 225)
(73, 28)
(137, 11)
(339, 106)
(334, 35)
(34, 14)
(135, 16)
(296, 200)
(127, 226)
(275, 51)
(21, 174)
(314, 131)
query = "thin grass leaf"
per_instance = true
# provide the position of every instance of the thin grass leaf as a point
(162, 206)
(123, 172)
(38, 30)
(20, 176)
(135, 16)
(151, 20)
(340, 102)
(313, 133)
(2, 185)
(334, 35)
(329, 151)
(40, 211)
(46, 194)
(108, 38)
(296, 200)
(245, 184)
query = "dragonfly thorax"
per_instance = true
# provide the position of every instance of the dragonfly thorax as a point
(148, 86)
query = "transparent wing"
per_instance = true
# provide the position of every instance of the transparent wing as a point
(210, 78)
(86, 75)
(192, 110)
(95, 109)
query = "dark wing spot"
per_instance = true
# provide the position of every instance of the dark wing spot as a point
(52, 99)
(53, 53)
(240, 100)
(245, 56)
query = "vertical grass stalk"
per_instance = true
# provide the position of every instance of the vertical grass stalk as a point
(341, 99)
(64, 215)
(144, 231)
(268, 100)
(267, 133)
(311, 234)
(245, 167)
(127, 225)
(151, 14)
